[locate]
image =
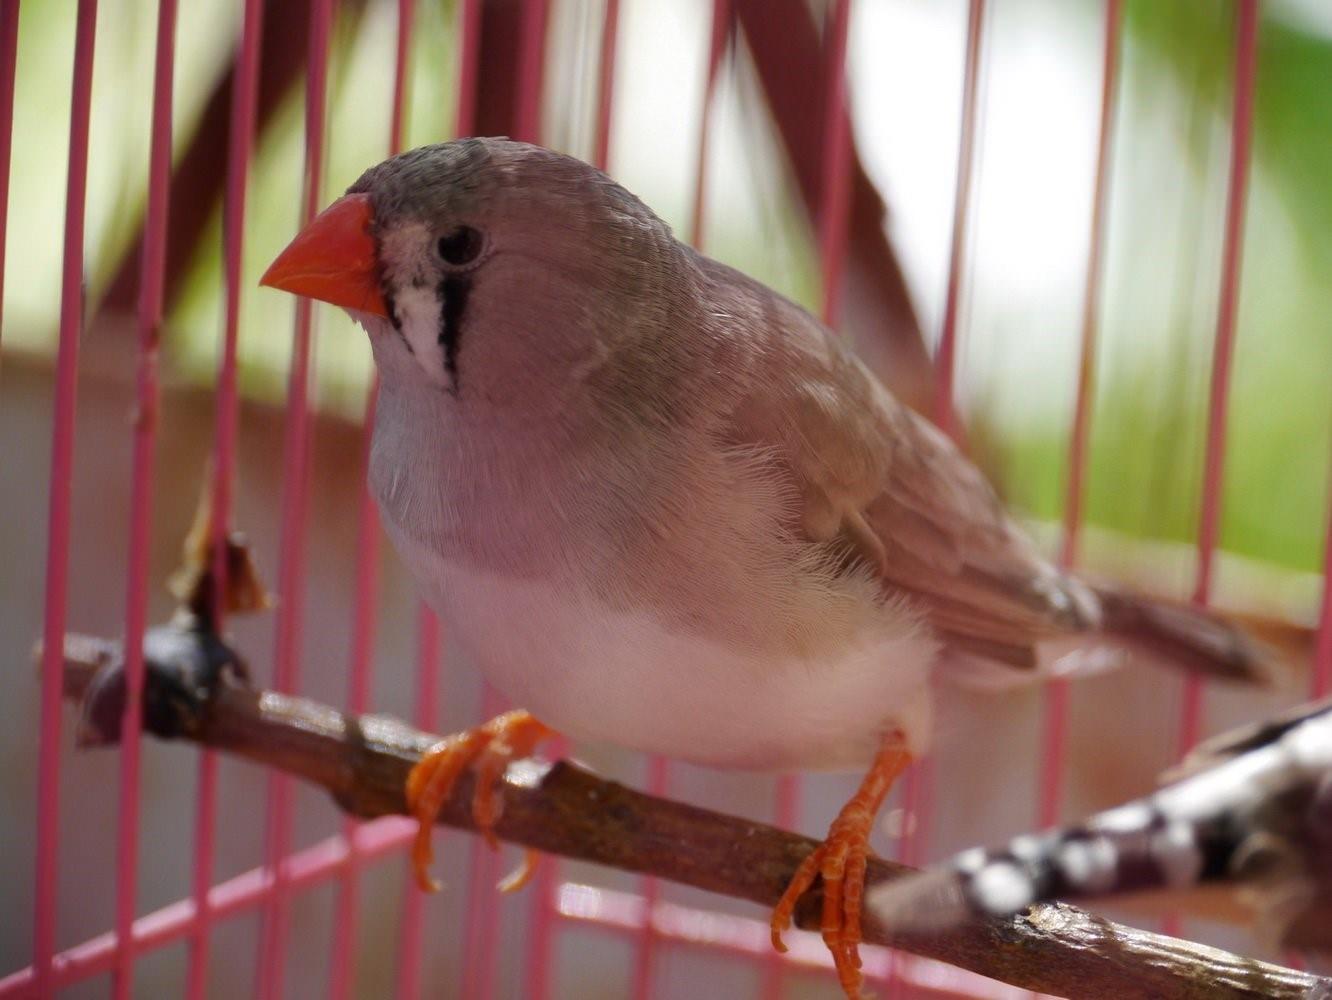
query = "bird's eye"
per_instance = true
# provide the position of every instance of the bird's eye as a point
(460, 245)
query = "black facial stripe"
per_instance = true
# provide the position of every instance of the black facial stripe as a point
(392, 305)
(453, 292)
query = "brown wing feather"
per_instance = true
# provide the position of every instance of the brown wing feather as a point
(871, 473)
(951, 545)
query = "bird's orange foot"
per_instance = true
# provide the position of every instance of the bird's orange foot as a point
(840, 862)
(487, 749)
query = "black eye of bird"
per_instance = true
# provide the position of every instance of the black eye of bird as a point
(460, 245)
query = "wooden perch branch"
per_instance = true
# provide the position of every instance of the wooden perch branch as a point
(195, 689)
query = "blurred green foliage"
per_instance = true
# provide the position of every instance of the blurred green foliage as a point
(1154, 359)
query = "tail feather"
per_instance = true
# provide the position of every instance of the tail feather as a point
(1194, 638)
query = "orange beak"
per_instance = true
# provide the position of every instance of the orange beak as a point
(333, 259)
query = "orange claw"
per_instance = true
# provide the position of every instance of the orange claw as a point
(520, 876)
(840, 861)
(487, 749)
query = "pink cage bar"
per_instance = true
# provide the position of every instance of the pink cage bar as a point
(643, 916)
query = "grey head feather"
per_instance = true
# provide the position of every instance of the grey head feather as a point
(466, 175)
(570, 267)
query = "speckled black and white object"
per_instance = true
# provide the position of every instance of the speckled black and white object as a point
(1255, 805)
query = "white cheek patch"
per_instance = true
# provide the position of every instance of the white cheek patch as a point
(419, 317)
(410, 270)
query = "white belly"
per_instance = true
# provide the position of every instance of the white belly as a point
(598, 674)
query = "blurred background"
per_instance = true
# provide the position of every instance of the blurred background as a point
(1019, 331)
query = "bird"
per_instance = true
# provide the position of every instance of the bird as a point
(1245, 819)
(664, 507)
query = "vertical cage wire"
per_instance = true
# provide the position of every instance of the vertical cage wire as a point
(59, 494)
(411, 954)
(1054, 735)
(9, 13)
(293, 517)
(240, 149)
(946, 358)
(1223, 350)
(1321, 683)
(365, 599)
(151, 281)
(835, 191)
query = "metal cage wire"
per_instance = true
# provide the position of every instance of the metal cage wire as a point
(644, 917)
